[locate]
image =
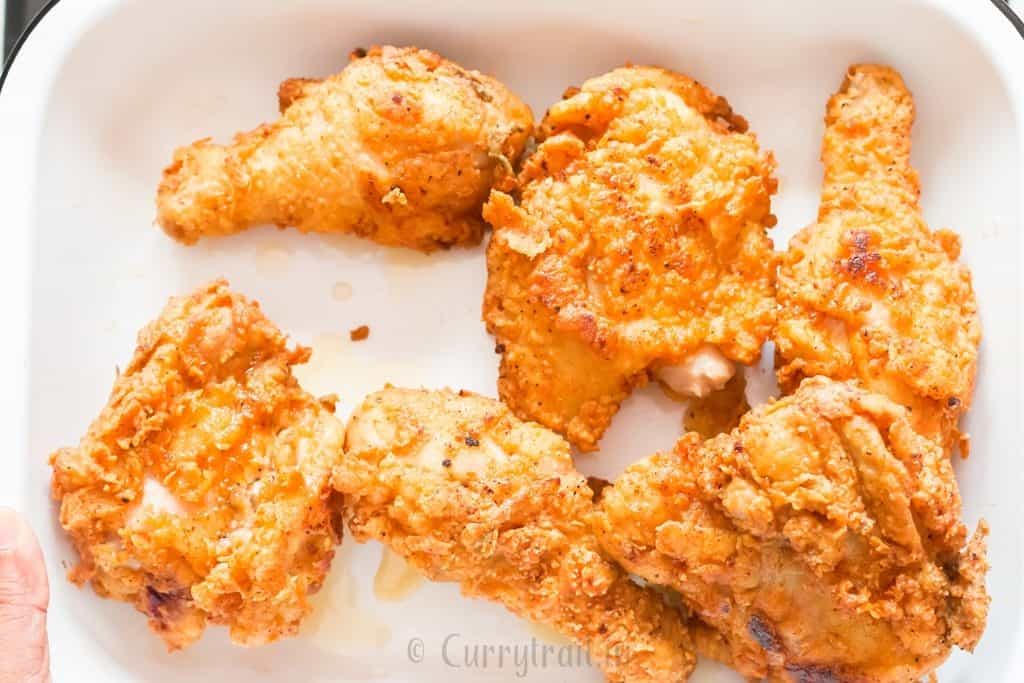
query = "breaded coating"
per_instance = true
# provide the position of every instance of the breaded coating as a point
(468, 493)
(401, 147)
(820, 540)
(637, 245)
(869, 292)
(200, 494)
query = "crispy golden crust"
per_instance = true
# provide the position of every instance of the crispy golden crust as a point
(820, 540)
(200, 493)
(468, 493)
(639, 235)
(869, 292)
(401, 147)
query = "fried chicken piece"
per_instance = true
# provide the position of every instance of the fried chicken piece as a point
(638, 246)
(869, 292)
(401, 147)
(820, 540)
(468, 493)
(201, 492)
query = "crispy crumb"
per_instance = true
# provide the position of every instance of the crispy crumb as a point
(395, 196)
(360, 333)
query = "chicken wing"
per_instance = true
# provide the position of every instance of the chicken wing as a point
(200, 493)
(869, 292)
(401, 147)
(820, 540)
(636, 244)
(468, 493)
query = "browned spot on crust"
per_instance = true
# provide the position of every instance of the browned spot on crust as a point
(360, 333)
(161, 604)
(811, 674)
(764, 633)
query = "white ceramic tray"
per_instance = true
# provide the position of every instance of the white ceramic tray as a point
(102, 91)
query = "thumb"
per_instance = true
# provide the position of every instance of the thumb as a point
(24, 598)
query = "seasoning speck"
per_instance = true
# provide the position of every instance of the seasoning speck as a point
(360, 333)
(446, 462)
(470, 441)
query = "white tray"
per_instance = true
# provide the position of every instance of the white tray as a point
(102, 91)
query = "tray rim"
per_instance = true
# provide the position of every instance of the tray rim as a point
(24, 93)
